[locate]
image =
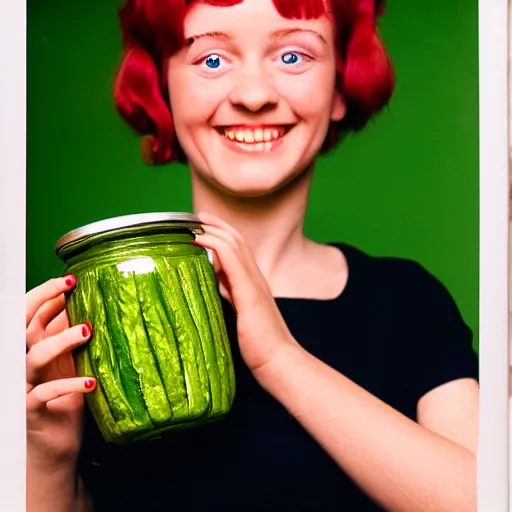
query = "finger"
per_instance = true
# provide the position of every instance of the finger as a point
(215, 261)
(224, 292)
(212, 220)
(44, 393)
(49, 310)
(51, 289)
(216, 226)
(58, 324)
(43, 353)
(241, 285)
(237, 245)
(222, 234)
(224, 286)
(65, 404)
(224, 256)
(224, 230)
(222, 280)
(44, 315)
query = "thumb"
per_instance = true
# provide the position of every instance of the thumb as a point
(222, 280)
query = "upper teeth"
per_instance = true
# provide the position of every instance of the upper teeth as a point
(253, 136)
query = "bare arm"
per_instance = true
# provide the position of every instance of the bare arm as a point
(85, 503)
(405, 466)
(50, 489)
(54, 401)
(53, 489)
(402, 465)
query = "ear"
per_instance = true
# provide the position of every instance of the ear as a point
(339, 107)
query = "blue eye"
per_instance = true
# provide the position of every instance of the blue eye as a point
(291, 58)
(213, 61)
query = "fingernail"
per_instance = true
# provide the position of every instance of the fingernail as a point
(89, 383)
(86, 329)
(70, 280)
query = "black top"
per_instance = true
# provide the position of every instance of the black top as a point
(394, 330)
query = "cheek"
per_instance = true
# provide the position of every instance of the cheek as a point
(193, 100)
(319, 89)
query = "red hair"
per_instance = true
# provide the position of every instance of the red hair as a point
(153, 30)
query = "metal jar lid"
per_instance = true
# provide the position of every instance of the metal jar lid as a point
(134, 223)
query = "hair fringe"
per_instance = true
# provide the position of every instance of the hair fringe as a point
(152, 30)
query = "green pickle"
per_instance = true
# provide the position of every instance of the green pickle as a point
(159, 350)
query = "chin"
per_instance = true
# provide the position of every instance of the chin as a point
(253, 185)
(249, 190)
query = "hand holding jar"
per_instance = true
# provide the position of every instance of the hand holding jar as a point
(54, 392)
(263, 335)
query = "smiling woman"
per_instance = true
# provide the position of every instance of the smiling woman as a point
(362, 69)
(356, 379)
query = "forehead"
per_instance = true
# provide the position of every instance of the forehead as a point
(305, 9)
(254, 16)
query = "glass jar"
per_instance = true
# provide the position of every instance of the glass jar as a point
(159, 349)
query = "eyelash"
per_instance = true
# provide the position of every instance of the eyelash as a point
(203, 60)
(305, 56)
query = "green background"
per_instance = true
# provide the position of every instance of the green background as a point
(406, 186)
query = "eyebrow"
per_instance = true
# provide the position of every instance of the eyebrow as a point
(289, 31)
(275, 35)
(213, 35)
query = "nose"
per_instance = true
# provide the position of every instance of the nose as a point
(253, 90)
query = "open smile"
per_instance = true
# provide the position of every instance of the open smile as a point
(254, 139)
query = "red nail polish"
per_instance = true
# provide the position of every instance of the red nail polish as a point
(86, 329)
(70, 281)
(89, 383)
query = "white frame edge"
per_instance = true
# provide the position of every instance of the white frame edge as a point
(12, 254)
(493, 460)
(493, 463)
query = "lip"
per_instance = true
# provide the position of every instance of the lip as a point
(242, 126)
(254, 148)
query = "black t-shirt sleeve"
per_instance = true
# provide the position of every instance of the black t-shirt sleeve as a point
(442, 348)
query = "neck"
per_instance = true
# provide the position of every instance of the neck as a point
(272, 226)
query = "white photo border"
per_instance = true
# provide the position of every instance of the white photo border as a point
(493, 456)
(493, 464)
(12, 252)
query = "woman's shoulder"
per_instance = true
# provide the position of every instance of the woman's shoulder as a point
(405, 285)
(439, 340)
(395, 272)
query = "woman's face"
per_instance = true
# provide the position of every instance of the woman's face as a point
(252, 95)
